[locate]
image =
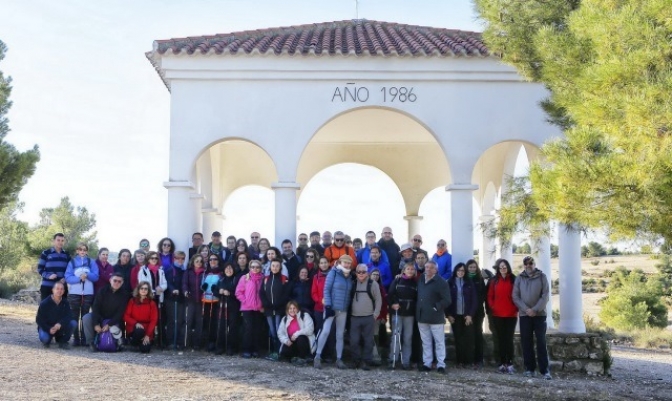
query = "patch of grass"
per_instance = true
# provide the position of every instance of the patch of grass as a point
(651, 337)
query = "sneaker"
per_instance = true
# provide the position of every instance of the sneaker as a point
(529, 373)
(441, 371)
(424, 368)
(501, 369)
(510, 370)
(340, 364)
(547, 376)
(328, 360)
(247, 355)
(63, 345)
(298, 362)
(46, 345)
(391, 366)
(255, 355)
(364, 366)
(273, 356)
(317, 363)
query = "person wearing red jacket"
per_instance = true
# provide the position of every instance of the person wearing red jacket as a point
(504, 313)
(334, 251)
(141, 317)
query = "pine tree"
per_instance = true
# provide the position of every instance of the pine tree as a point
(15, 167)
(608, 67)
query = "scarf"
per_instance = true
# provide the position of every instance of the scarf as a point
(472, 275)
(440, 252)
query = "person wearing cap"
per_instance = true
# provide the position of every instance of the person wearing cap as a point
(530, 294)
(406, 257)
(338, 249)
(315, 242)
(337, 290)
(107, 312)
(433, 299)
(218, 248)
(387, 244)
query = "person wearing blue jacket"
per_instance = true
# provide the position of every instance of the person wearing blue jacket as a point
(443, 259)
(364, 254)
(376, 262)
(461, 314)
(337, 288)
(81, 274)
(175, 300)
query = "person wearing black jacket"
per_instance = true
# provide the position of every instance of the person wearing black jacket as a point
(433, 299)
(300, 291)
(174, 301)
(228, 338)
(124, 266)
(292, 260)
(107, 311)
(402, 298)
(387, 244)
(54, 318)
(474, 274)
(461, 314)
(273, 293)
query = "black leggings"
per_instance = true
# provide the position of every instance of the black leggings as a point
(300, 348)
(253, 321)
(136, 339)
(464, 341)
(504, 329)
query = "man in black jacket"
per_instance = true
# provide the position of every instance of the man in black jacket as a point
(387, 244)
(433, 299)
(107, 311)
(54, 318)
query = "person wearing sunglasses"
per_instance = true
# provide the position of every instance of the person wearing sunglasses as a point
(443, 259)
(504, 314)
(530, 294)
(107, 311)
(247, 292)
(310, 259)
(365, 309)
(153, 273)
(81, 274)
(193, 293)
(334, 251)
(141, 317)
(166, 248)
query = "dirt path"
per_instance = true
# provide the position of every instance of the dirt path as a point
(28, 372)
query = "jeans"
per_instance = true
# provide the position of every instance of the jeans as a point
(429, 332)
(340, 318)
(61, 336)
(318, 320)
(404, 341)
(361, 327)
(532, 328)
(464, 341)
(273, 324)
(504, 329)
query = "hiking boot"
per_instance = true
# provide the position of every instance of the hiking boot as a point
(46, 345)
(441, 371)
(364, 365)
(547, 376)
(273, 356)
(424, 368)
(501, 368)
(406, 367)
(63, 345)
(340, 364)
(317, 363)
(510, 370)
(529, 373)
(391, 366)
(298, 361)
(247, 355)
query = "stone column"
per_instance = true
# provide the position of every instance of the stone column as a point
(196, 217)
(542, 255)
(180, 220)
(462, 225)
(487, 254)
(571, 301)
(211, 222)
(413, 225)
(285, 210)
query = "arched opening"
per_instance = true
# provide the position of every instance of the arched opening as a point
(249, 208)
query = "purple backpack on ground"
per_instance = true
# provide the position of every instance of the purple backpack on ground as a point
(106, 342)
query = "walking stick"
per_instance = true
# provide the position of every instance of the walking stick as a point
(175, 324)
(160, 326)
(219, 321)
(394, 339)
(226, 322)
(82, 341)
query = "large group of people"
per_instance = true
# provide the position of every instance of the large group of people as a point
(296, 304)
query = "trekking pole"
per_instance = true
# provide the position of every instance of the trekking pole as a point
(175, 324)
(226, 322)
(219, 321)
(394, 338)
(160, 327)
(81, 316)
(200, 340)
(210, 322)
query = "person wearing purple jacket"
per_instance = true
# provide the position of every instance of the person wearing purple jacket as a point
(105, 270)
(461, 314)
(166, 249)
(191, 289)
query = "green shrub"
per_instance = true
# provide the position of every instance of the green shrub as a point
(633, 302)
(651, 337)
(24, 276)
(595, 262)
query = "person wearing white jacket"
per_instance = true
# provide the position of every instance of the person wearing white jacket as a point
(296, 334)
(153, 274)
(80, 275)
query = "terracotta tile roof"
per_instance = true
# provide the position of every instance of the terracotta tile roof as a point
(356, 37)
(350, 37)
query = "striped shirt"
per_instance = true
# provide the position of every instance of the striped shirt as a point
(52, 262)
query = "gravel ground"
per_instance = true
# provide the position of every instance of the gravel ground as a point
(29, 372)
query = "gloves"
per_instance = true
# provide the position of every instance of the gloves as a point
(204, 287)
(214, 289)
(328, 312)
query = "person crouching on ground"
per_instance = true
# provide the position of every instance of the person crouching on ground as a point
(366, 304)
(54, 318)
(107, 311)
(296, 334)
(141, 317)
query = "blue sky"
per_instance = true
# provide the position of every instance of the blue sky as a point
(85, 93)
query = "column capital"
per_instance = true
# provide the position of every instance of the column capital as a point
(461, 187)
(178, 185)
(286, 185)
(413, 217)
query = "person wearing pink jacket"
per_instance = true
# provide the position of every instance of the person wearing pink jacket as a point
(247, 293)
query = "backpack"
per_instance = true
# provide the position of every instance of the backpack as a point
(354, 291)
(106, 341)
